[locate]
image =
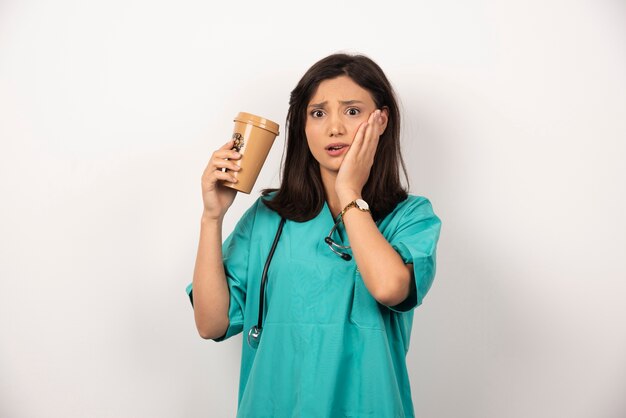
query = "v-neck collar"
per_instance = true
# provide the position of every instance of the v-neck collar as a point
(329, 221)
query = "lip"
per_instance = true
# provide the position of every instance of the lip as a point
(337, 148)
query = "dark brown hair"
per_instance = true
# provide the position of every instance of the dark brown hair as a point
(301, 194)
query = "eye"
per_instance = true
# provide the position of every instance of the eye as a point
(353, 111)
(317, 113)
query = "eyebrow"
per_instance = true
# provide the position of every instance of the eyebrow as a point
(343, 102)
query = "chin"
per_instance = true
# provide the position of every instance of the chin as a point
(331, 168)
(330, 164)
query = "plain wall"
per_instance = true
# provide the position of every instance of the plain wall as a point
(514, 128)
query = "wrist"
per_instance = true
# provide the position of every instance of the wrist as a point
(208, 219)
(347, 196)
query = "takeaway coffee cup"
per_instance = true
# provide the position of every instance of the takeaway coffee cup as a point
(254, 137)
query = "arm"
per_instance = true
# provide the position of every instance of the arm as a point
(384, 273)
(210, 289)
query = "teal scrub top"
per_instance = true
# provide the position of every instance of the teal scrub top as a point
(328, 348)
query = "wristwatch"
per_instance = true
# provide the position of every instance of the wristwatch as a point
(360, 204)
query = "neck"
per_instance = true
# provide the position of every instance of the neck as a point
(328, 180)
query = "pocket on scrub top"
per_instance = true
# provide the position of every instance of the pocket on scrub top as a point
(365, 312)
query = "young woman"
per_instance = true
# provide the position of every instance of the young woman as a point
(344, 271)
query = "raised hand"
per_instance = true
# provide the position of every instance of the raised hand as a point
(356, 165)
(217, 197)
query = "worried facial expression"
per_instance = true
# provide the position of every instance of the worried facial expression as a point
(334, 114)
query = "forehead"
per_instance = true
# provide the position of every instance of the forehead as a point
(342, 88)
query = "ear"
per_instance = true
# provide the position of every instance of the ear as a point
(384, 114)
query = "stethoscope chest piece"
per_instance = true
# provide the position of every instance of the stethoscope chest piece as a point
(254, 336)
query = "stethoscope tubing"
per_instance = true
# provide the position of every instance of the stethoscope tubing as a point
(265, 270)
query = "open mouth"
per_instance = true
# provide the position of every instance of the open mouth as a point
(335, 147)
(335, 150)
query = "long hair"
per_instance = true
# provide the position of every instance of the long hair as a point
(301, 195)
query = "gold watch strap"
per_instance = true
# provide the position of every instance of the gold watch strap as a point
(351, 205)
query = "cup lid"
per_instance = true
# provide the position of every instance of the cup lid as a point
(259, 121)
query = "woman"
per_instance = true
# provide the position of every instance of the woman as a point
(355, 255)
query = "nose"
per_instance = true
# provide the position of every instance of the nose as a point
(335, 126)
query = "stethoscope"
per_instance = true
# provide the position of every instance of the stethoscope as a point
(254, 335)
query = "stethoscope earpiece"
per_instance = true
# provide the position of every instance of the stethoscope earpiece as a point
(332, 244)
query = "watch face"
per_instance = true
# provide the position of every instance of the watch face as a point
(362, 204)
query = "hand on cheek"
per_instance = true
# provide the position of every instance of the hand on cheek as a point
(357, 163)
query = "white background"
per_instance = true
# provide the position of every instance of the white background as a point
(514, 127)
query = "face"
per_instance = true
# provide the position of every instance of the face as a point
(334, 113)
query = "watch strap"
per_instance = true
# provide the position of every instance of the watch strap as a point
(354, 204)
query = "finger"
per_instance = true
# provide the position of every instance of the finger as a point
(210, 180)
(216, 163)
(372, 143)
(374, 116)
(221, 164)
(358, 137)
(368, 151)
(225, 176)
(365, 132)
(377, 123)
(230, 154)
(228, 145)
(370, 137)
(357, 142)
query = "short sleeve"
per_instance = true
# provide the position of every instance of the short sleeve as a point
(235, 253)
(415, 238)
